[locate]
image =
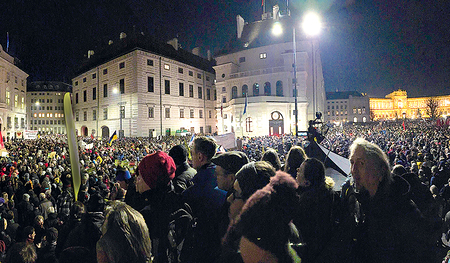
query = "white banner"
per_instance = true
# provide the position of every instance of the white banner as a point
(30, 135)
(228, 140)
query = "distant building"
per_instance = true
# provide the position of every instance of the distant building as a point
(45, 100)
(138, 86)
(254, 73)
(13, 83)
(347, 106)
(397, 105)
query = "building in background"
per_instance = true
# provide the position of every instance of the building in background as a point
(397, 105)
(140, 87)
(254, 79)
(13, 83)
(45, 106)
(347, 106)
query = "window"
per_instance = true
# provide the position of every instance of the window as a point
(200, 114)
(122, 111)
(256, 89)
(279, 88)
(263, 55)
(267, 89)
(224, 99)
(244, 90)
(84, 79)
(207, 78)
(151, 112)
(84, 116)
(233, 92)
(241, 59)
(22, 123)
(16, 122)
(191, 73)
(149, 62)
(224, 89)
(191, 113)
(180, 70)
(105, 113)
(200, 92)
(167, 113)
(166, 66)
(208, 94)
(210, 114)
(94, 115)
(105, 90)
(167, 86)
(181, 113)
(76, 98)
(121, 65)
(77, 116)
(94, 76)
(105, 71)
(215, 95)
(22, 104)
(76, 83)
(84, 95)
(16, 101)
(150, 84)
(122, 86)
(248, 124)
(181, 89)
(199, 76)
(191, 91)
(354, 110)
(201, 129)
(94, 93)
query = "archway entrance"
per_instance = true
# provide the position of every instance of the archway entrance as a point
(276, 123)
(105, 132)
(84, 131)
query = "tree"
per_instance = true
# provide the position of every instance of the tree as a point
(432, 105)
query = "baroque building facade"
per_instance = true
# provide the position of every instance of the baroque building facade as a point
(255, 80)
(13, 85)
(140, 87)
(397, 105)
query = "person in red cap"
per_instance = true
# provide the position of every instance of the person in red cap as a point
(154, 182)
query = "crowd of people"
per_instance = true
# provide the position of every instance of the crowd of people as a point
(171, 200)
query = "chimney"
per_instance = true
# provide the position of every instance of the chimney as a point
(123, 35)
(90, 53)
(208, 54)
(174, 43)
(276, 12)
(240, 25)
(110, 42)
(196, 51)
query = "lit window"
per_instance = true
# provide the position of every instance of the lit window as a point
(263, 55)
(166, 66)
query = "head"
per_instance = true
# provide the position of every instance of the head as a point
(271, 156)
(127, 227)
(122, 176)
(294, 159)
(179, 154)
(227, 165)
(311, 174)
(250, 178)
(369, 166)
(399, 170)
(29, 233)
(155, 171)
(264, 225)
(202, 150)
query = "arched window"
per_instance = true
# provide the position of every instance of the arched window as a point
(244, 90)
(267, 89)
(234, 93)
(280, 88)
(256, 89)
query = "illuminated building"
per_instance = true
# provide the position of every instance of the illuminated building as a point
(347, 106)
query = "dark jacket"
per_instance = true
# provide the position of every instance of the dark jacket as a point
(206, 201)
(183, 177)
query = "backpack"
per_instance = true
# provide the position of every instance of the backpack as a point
(181, 235)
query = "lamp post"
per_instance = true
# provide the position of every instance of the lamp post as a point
(121, 112)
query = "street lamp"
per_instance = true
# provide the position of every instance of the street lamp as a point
(121, 111)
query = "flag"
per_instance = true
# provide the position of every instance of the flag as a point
(404, 128)
(2, 145)
(113, 138)
(246, 103)
(92, 136)
(191, 141)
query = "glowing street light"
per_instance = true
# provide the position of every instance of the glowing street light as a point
(312, 24)
(277, 29)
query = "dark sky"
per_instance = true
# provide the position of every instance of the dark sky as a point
(369, 46)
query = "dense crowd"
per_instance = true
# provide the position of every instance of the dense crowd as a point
(171, 200)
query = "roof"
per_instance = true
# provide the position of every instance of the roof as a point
(139, 41)
(343, 95)
(259, 34)
(47, 86)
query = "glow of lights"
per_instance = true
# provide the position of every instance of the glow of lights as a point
(277, 30)
(312, 24)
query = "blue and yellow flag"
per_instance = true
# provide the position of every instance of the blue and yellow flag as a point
(113, 138)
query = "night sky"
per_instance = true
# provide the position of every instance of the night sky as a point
(368, 46)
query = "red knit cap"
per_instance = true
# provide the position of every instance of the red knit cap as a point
(157, 169)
